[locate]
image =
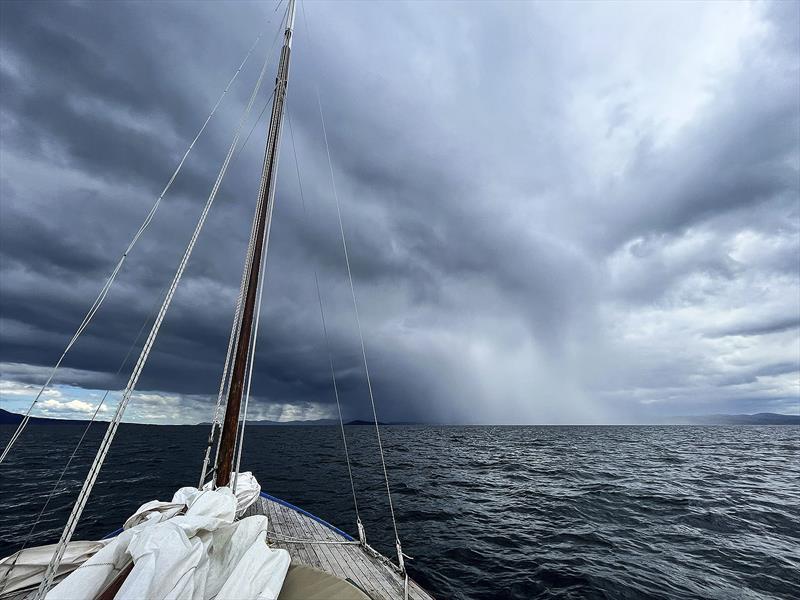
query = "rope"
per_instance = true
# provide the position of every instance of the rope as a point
(83, 497)
(289, 540)
(267, 190)
(233, 339)
(251, 359)
(107, 286)
(236, 325)
(236, 329)
(327, 344)
(255, 123)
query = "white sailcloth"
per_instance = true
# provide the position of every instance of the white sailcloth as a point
(25, 568)
(190, 547)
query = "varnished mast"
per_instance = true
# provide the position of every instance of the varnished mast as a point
(230, 425)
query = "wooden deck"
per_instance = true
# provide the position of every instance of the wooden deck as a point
(371, 573)
(291, 528)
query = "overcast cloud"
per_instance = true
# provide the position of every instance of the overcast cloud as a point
(556, 212)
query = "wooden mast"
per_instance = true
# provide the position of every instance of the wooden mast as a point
(230, 425)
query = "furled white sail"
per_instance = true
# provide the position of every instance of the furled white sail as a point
(25, 568)
(190, 547)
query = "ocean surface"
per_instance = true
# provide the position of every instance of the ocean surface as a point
(486, 512)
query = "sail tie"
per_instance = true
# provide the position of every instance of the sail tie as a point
(105, 445)
(107, 286)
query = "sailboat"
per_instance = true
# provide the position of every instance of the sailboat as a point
(225, 538)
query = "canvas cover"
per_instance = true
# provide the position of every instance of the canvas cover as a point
(25, 568)
(306, 583)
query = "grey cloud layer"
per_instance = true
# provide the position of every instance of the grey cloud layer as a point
(554, 214)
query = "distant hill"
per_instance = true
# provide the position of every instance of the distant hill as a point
(10, 418)
(311, 422)
(381, 423)
(267, 422)
(756, 419)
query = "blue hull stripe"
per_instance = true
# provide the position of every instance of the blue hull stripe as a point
(349, 538)
(113, 534)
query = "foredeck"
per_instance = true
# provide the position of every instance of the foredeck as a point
(308, 541)
(313, 542)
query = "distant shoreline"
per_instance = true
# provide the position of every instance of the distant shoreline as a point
(10, 418)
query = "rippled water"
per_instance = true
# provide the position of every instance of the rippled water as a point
(486, 512)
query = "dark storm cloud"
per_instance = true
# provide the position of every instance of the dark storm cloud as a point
(540, 227)
(773, 325)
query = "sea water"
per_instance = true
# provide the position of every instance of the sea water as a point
(486, 512)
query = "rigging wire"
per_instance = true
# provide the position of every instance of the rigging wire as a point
(107, 286)
(255, 124)
(232, 341)
(262, 270)
(361, 534)
(233, 447)
(400, 560)
(236, 325)
(361, 340)
(251, 360)
(72, 522)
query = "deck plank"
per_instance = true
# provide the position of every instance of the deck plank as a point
(300, 533)
(342, 555)
(347, 561)
(324, 557)
(345, 556)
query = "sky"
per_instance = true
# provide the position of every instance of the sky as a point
(555, 212)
